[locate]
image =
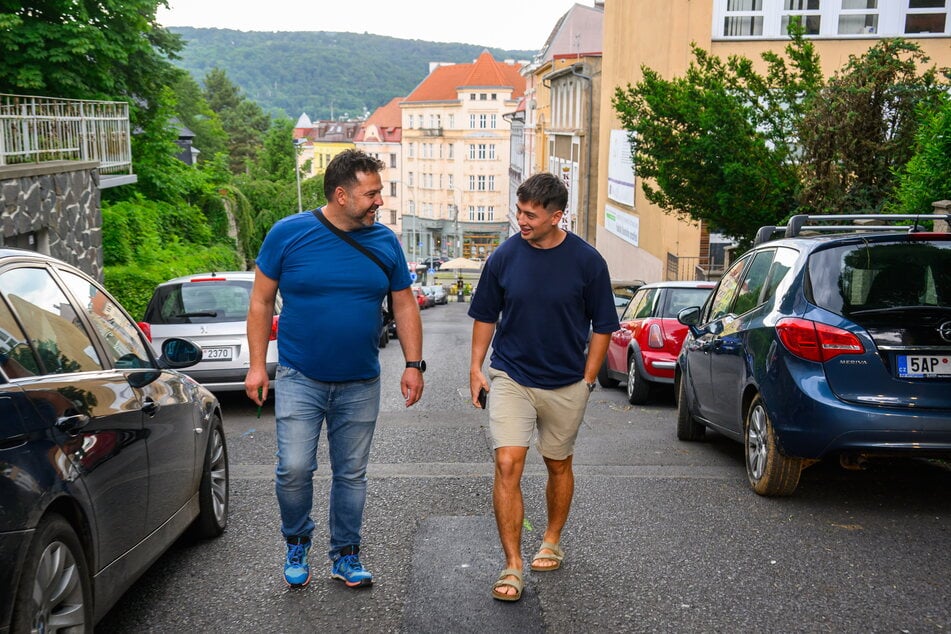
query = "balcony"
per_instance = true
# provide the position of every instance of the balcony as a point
(431, 131)
(45, 129)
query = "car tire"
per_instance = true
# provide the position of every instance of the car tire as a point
(603, 378)
(55, 584)
(213, 492)
(687, 426)
(638, 388)
(384, 337)
(770, 472)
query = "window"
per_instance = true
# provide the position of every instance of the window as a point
(449, 181)
(770, 19)
(472, 96)
(412, 119)
(409, 179)
(751, 289)
(493, 119)
(393, 189)
(494, 96)
(392, 159)
(123, 342)
(723, 297)
(451, 152)
(482, 96)
(481, 183)
(472, 122)
(490, 213)
(452, 121)
(55, 327)
(483, 121)
(16, 355)
(411, 150)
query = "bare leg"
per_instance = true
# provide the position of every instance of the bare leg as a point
(558, 494)
(507, 502)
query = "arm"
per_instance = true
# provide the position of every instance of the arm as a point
(406, 313)
(481, 338)
(597, 349)
(260, 315)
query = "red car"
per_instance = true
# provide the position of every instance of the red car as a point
(644, 351)
(421, 300)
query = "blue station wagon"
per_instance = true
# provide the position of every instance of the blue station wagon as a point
(821, 344)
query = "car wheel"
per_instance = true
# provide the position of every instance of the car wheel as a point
(55, 591)
(384, 338)
(687, 426)
(638, 389)
(603, 377)
(213, 492)
(770, 472)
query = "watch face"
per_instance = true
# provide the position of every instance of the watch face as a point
(419, 365)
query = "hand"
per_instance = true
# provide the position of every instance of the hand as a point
(411, 385)
(477, 382)
(256, 385)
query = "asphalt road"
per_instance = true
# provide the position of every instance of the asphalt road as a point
(663, 536)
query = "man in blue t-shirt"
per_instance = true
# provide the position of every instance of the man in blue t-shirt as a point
(333, 267)
(539, 293)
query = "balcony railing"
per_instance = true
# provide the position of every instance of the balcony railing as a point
(39, 129)
(431, 131)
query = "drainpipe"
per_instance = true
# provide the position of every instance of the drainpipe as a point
(589, 133)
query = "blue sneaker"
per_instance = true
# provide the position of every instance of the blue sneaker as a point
(296, 570)
(349, 570)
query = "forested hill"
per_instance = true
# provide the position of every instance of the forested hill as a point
(320, 72)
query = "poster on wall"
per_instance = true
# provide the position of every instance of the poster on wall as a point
(620, 169)
(622, 224)
(568, 172)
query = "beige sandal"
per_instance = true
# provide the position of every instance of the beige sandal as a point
(503, 582)
(556, 555)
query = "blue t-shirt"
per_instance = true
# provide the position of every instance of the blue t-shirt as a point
(331, 319)
(547, 299)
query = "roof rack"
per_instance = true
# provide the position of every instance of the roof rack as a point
(858, 222)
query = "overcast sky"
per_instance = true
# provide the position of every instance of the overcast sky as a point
(507, 24)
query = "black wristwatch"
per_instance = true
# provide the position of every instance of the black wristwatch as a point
(419, 365)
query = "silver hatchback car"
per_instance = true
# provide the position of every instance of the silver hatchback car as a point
(210, 309)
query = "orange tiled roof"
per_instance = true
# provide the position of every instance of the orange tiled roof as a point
(443, 83)
(386, 121)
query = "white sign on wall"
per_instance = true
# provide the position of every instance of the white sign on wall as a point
(622, 224)
(620, 169)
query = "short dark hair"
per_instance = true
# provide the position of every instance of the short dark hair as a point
(342, 170)
(544, 189)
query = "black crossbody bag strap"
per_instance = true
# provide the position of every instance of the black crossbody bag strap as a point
(319, 214)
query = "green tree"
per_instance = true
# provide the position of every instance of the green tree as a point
(860, 128)
(277, 156)
(718, 145)
(193, 111)
(243, 120)
(927, 176)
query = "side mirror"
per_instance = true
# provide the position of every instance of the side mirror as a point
(690, 317)
(179, 353)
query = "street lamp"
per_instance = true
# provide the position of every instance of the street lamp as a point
(297, 148)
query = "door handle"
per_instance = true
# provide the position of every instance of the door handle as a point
(71, 424)
(151, 407)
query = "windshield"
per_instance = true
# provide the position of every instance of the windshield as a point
(200, 302)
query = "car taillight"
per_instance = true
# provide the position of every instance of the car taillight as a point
(655, 336)
(813, 341)
(274, 321)
(146, 329)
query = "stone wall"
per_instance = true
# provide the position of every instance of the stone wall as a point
(54, 208)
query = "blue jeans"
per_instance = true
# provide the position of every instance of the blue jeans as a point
(350, 408)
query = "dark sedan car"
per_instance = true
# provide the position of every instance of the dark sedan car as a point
(819, 345)
(107, 454)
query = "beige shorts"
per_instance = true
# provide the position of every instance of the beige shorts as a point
(516, 411)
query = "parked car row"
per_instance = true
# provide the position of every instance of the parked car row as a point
(429, 296)
(107, 453)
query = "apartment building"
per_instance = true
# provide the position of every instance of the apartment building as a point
(381, 136)
(638, 239)
(560, 114)
(454, 185)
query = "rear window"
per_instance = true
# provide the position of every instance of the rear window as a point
(200, 302)
(680, 298)
(878, 276)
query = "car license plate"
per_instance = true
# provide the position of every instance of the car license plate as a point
(219, 353)
(910, 366)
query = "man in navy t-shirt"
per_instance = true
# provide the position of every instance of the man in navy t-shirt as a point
(328, 349)
(539, 293)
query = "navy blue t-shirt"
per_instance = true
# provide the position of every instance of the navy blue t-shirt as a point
(544, 301)
(331, 319)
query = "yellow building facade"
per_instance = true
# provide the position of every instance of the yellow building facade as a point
(638, 239)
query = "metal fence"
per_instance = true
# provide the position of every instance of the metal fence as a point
(38, 129)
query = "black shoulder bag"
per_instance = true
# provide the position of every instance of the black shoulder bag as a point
(319, 214)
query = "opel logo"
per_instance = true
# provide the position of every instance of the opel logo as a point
(945, 331)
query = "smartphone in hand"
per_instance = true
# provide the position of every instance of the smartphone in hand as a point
(483, 397)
